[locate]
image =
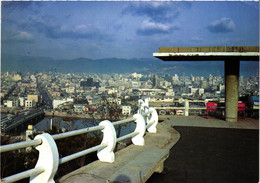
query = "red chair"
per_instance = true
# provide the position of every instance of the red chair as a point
(211, 107)
(241, 110)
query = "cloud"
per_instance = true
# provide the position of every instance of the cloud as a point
(64, 31)
(20, 36)
(48, 26)
(24, 36)
(224, 25)
(156, 11)
(149, 27)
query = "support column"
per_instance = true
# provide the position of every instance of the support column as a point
(231, 89)
(186, 111)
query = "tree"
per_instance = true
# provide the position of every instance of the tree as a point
(111, 112)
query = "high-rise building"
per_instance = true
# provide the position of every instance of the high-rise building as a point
(90, 82)
(136, 76)
(175, 79)
(17, 77)
(204, 84)
(155, 81)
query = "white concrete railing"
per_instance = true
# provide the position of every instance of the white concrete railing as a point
(48, 160)
(186, 108)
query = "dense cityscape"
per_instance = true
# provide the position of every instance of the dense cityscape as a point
(82, 95)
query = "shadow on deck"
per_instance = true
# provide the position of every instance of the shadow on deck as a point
(211, 150)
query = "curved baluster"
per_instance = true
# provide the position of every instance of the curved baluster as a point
(48, 159)
(109, 138)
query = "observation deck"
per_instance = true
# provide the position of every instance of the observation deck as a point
(153, 148)
(136, 163)
(231, 55)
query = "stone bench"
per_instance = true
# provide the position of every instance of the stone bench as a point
(133, 163)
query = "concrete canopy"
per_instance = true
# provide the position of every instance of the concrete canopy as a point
(232, 55)
(247, 53)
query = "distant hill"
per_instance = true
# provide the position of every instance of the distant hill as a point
(117, 65)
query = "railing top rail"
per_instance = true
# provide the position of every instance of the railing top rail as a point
(77, 132)
(30, 143)
(81, 153)
(177, 101)
(146, 107)
(19, 145)
(104, 149)
(23, 175)
(124, 121)
(148, 112)
(127, 136)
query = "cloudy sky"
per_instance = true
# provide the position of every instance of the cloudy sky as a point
(124, 29)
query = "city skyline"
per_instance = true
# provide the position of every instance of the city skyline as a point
(68, 30)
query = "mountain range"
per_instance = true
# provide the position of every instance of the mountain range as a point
(117, 65)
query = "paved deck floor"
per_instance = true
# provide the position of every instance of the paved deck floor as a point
(198, 121)
(211, 150)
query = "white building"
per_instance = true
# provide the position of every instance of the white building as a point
(12, 103)
(17, 77)
(30, 103)
(56, 102)
(201, 91)
(2, 95)
(33, 78)
(193, 90)
(126, 110)
(221, 88)
(114, 100)
(90, 99)
(70, 89)
(170, 93)
(112, 90)
(175, 79)
(136, 84)
(137, 76)
(22, 101)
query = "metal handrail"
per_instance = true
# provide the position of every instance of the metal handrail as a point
(62, 160)
(76, 132)
(81, 153)
(19, 145)
(127, 136)
(23, 175)
(147, 113)
(124, 121)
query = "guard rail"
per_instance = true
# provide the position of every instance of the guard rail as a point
(48, 160)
